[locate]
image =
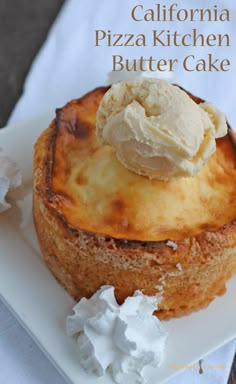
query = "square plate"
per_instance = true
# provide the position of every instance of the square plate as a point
(42, 305)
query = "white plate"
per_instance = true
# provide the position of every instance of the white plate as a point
(42, 305)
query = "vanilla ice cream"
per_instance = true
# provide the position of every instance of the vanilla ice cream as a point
(157, 130)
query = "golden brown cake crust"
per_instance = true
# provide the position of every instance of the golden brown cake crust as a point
(93, 191)
(187, 277)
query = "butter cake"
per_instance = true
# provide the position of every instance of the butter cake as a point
(100, 223)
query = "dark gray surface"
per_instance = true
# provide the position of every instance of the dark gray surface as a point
(23, 27)
(232, 379)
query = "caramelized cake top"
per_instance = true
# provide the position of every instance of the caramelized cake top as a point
(94, 192)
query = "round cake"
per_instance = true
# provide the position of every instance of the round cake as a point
(100, 223)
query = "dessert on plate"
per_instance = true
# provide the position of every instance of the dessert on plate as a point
(134, 186)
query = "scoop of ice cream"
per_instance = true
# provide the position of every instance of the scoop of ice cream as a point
(157, 130)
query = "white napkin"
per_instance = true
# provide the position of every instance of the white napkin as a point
(68, 65)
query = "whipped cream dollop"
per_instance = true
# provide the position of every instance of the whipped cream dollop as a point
(123, 339)
(10, 178)
(157, 130)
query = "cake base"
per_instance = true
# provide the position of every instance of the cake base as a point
(184, 280)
